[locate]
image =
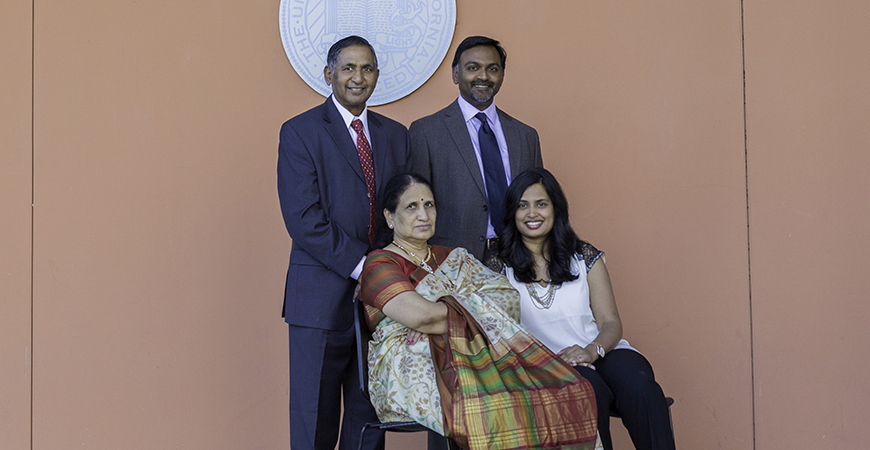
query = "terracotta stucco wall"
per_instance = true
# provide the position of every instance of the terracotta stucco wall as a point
(158, 251)
(158, 246)
(807, 110)
(15, 223)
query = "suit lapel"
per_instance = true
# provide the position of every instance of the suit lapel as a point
(455, 123)
(379, 152)
(513, 139)
(341, 137)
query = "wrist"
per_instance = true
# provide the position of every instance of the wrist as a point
(598, 349)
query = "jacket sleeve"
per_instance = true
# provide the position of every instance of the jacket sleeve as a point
(420, 163)
(305, 215)
(539, 160)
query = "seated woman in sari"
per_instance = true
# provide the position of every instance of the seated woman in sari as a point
(447, 350)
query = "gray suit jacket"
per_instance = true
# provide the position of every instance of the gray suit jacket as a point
(441, 151)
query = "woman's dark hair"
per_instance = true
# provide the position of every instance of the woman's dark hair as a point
(560, 245)
(390, 201)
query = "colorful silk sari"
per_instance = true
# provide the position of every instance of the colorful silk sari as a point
(495, 386)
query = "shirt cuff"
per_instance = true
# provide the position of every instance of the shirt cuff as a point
(357, 271)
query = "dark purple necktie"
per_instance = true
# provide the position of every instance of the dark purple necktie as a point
(493, 172)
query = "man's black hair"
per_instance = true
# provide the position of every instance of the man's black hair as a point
(475, 41)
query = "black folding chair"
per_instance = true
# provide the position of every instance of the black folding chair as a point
(363, 336)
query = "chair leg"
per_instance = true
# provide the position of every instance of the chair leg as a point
(362, 436)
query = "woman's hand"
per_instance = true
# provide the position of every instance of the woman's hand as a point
(414, 336)
(578, 356)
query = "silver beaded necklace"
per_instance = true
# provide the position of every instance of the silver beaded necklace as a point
(547, 301)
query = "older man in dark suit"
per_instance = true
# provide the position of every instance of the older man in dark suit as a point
(332, 161)
(470, 151)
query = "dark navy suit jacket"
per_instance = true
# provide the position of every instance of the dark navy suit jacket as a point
(325, 206)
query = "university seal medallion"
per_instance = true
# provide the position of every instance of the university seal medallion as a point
(410, 37)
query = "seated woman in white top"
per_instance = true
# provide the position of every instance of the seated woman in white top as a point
(567, 302)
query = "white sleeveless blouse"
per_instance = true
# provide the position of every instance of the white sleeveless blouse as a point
(569, 319)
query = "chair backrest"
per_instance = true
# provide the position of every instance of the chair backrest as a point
(363, 336)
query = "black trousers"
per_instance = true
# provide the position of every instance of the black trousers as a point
(323, 372)
(624, 382)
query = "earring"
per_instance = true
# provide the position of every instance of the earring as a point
(390, 225)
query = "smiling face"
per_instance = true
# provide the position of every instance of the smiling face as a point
(534, 215)
(354, 77)
(414, 220)
(479, 75)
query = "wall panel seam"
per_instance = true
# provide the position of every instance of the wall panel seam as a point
(748, 228)
(32, 191)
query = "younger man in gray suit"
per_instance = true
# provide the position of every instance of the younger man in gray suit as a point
(470, 151)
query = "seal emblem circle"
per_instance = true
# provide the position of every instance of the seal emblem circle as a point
(410, 37)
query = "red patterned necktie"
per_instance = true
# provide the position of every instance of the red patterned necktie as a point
(364, 150)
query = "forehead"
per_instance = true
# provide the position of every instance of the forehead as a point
(482, 54)
(535, 192)
(357, 54)
(415, 192)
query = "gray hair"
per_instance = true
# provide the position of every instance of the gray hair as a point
(350, 41)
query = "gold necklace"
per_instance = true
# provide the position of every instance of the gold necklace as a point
(423, 264)
(547, 301)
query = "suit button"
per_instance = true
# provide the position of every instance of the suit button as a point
(485, 208)
(481, 239)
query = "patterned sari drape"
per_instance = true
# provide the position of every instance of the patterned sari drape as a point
(496, 385)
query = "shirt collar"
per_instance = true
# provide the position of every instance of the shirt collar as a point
(348, 117)
(469, 111)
